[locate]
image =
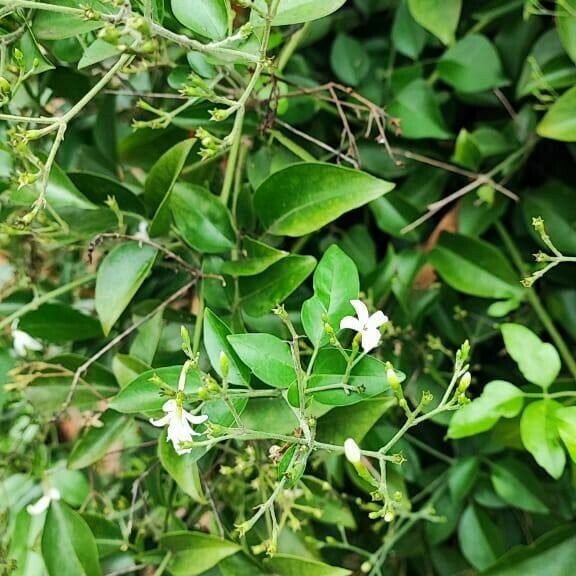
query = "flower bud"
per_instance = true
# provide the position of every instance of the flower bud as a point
(389, 516)
(464, 382)
(224, 364)
(352, 451)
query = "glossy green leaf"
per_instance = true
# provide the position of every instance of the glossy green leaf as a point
(269, 358)
(516, 484)
(417, 109)
(408, 36)
(261, 293)
(540, 436)
(120, 275)
(299, 11)
(499, 399)
(216, 334)
(304, 197)
(50, 25)
(559, 123)
(566, 24)
(474, 267)
(195, 552)
(145, 344)
(566, 422)
(144, 394)
(284, 565)
(182, 468)
(454, 66)
(336, 283)
(59, 323)
(437, 16)
(462, 477)
(68, 546)
(98, 51)
(349, 60)
(259, 257)
(161, 181)
(97, 441)
(208, 18)
(480, 539)
(202, 220)
(538, 361)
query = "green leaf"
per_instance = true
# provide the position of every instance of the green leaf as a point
(208, 18)
(202, 220)
(68, 546)
(286, 565)
(480, 539)
(304, 197)
(418, 111)
(553, 554)
(336, 282)
(559, 123)
(499, 399)
(566, 25)
(56, 26)
(160, 183)
(60, 323)
(259, 257)
(195, 552)
(566, 422)
(144, 393)
(369, 375)
(349, 60)
(438, 16)
(408, 36)
(126, 368)
(299, 11)
(261, 293)
(98, 51)
(182, 468)
(216, 334)
(474, 267)
(269, 358)
(454, 66)
(538, 361)
(462, 477)
(540, 436)
(119, 277)
(516, 484)
(145, 344)
(96, 442)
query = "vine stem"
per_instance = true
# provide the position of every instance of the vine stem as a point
(536, 303)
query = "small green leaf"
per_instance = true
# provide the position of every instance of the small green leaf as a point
(566, 422)
(438, 16)
(68, 545)
(454, 66)
(559, 123)
(208, 18)
(96, 442)
(144, 393)
(259, 257)
(300, 11)
(540, 436)
(98, 51)
(418, 111)
(50, 25)
(408, 36)
(216, 334)
(261, 293)
(474, 267)
(499, 399)
(285, 565)
(462, 477)
(566, 24)
(304, 197)
(120, 275)
(202, 220)
(269, 358)
(195, 552)
(538, 361)
(349, 60)
(161, 181)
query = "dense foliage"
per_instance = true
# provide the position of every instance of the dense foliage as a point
(287, 287)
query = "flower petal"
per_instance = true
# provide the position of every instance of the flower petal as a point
(195, 419)
(370, 339)
(170, 406)
(161, 421)
(361, 311)
(351, 323)
(39, 506)
(376, 320)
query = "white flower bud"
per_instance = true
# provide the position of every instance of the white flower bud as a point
(352, 451)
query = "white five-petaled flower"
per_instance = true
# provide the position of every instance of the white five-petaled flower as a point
(22, 341)
(368, 326)
(42, 504)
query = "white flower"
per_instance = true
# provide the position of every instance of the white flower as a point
(22, 341)
(142, 233)
(42, 504)
(365, 324)
(352, 451)
(179, 425)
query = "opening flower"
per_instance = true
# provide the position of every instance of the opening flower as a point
(42, 504)
(179, 423)
(366, 325)
(23, 342)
